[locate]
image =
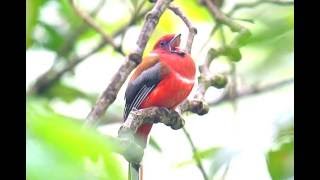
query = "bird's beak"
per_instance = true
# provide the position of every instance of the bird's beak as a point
(175, 42)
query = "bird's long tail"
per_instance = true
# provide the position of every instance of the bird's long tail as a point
(135, 170)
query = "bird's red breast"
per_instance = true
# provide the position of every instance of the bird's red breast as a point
(165, 78)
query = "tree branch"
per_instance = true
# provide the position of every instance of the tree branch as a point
(134, 58)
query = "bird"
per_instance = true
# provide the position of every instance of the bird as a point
(164, 78)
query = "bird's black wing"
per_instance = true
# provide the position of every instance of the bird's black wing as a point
(139, 88)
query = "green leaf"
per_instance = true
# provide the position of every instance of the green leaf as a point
(153, 143)
(33, 9)
(280, 161)
(202, 154)
(69, 146)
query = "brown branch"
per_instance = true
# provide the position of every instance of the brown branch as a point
(196, 155)
(252, 91)
(134, 58)
(89, 20)
(192, 29)
(151, 115)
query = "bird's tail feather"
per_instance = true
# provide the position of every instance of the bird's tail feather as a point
(135, 172)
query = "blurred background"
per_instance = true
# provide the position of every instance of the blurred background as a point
(247, 134)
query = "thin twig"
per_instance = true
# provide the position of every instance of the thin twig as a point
(88, 19)
(192, 29)
(133, 59)
(72, 37)
(196, 156)
(252, 91)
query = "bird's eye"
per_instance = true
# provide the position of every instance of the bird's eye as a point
(162, 43)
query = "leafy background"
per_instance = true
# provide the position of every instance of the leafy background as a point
(252, 141)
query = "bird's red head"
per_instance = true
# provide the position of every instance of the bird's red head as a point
(169, 42)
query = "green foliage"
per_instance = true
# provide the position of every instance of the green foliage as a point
(62, 146)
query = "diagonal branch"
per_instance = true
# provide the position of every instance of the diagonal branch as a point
(133, 59)
(89, 20)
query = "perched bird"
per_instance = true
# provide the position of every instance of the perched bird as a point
(164, 78)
